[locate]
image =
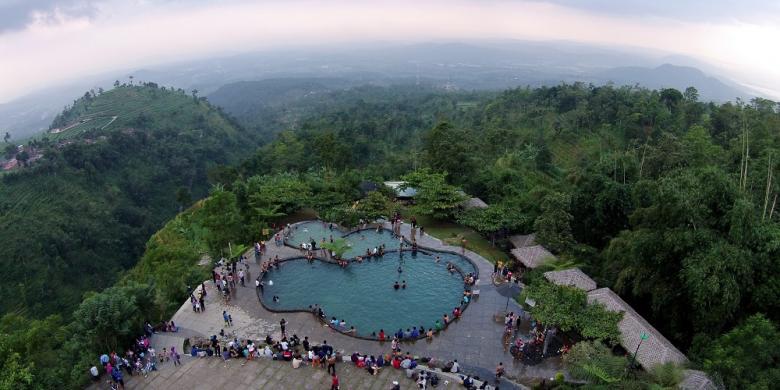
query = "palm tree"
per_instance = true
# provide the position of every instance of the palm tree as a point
(339, 247)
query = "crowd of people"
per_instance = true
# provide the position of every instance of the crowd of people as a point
(140, 358)
(302, 352)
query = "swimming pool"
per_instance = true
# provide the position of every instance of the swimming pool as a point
(361, 240)
(363, 293)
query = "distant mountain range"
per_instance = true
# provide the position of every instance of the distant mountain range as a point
(483, 65)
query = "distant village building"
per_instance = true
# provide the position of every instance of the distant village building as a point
(10, 164)
(405, 194)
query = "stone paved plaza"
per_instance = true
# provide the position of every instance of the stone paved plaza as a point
(211, 373)
(474, 339)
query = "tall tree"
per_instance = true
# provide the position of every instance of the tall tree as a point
(553, 226)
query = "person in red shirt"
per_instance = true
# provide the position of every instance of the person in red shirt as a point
(334, 384)
(381, 335)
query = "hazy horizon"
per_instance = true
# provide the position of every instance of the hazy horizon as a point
(50, 42)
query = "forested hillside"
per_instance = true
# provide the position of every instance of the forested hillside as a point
(73, 220)
(669, 200)
(666, 199)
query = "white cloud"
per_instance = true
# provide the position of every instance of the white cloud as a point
(122, 35)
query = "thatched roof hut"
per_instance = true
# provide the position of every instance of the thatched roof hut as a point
(520, 240)
(407, 193)
(573, 277)
(532, 256)
(696, 380)
(656, 349)
(473, 203)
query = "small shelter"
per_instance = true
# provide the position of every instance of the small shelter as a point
(573, 277)
(405, 194)
(367, 186)
(655, 348)
(473, 203)
(532, 256)
(696, 380)
(521, 240)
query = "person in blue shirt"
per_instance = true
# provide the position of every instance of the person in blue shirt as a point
(415, 333)
(116, 375)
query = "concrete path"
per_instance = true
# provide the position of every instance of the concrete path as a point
(212, 373)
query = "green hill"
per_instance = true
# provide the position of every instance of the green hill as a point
(73, 220)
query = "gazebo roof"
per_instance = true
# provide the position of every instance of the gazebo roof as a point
(409, 192)
(520, 240)
(474, 203)
(571, 277)
(696, 380)
(656, 349)
(532, 256)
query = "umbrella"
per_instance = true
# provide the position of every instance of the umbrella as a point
(509, 290)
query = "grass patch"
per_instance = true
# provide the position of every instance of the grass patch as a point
(452, 233)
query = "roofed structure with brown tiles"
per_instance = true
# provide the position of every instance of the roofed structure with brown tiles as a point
(696, 380)
(656, 349)
(523, 240)
(573, 277)
(532, 256)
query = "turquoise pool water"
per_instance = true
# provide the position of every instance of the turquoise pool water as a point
(362, 240)
(362, 294)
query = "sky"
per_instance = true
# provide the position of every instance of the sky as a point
(46, 42)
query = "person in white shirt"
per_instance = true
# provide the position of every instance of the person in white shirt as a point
(455, 366)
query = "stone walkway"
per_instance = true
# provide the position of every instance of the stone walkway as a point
(474, 339)
(211, 373)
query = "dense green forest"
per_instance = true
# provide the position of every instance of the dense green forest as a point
(73, 220)
(668, 200)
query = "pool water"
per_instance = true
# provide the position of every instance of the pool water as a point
(361, 240)
(362, 294)
(358, 241)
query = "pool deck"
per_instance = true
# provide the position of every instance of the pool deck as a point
(474, 339)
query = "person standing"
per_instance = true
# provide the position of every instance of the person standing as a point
(332, 364)
(93, 372)
(334, 382)
(175, 357)
(283, 325)
(499, 371)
